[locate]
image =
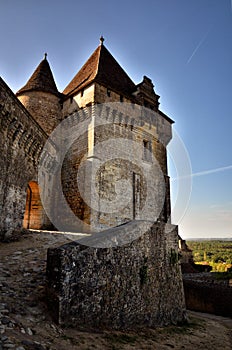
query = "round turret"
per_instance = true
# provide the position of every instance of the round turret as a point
(41, 97)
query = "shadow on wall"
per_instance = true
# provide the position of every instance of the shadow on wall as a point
(211, 298)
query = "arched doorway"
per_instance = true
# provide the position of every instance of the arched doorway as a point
(33, 217)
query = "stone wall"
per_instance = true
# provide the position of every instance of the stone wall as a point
(23, 139)
(94, 145)
(21, 143)
(81, 100)
(135, 284)
(106, 95)
(44, 107)
(71, 163)
(214, 298)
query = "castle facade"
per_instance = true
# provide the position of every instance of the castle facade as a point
(93, 159)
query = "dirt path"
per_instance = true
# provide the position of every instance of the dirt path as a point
(25, 323)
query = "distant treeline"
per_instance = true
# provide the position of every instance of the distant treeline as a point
(217, 253)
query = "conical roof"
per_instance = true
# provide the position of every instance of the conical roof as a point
(41, 80)
(101, 67)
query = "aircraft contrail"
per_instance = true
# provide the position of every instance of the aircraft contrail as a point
(199, 44)
(202, 173)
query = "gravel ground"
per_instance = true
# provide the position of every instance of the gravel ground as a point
(25, 323)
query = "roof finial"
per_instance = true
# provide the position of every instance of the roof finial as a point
(102, 40)
(45, 56)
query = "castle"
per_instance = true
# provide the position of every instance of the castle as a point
(93, 159)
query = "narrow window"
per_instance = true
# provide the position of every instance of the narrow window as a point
(82, 92)
(147, 149)
(17, 132)
(146, 104)
(136, 195)
(71, 100)
(121, 98)
(108, 92)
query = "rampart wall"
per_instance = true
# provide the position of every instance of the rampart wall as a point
(21, 144)
(133, 284)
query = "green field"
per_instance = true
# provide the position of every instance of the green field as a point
(215, 253)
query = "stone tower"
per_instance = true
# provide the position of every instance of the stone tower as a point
(132, 113)
(41, 97)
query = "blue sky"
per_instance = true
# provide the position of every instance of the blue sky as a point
(184, 46)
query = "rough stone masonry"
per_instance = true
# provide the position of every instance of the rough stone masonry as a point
(135, 285)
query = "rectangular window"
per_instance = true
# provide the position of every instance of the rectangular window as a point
(147, 149)
(108, 92)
